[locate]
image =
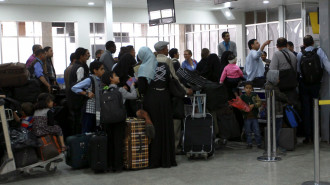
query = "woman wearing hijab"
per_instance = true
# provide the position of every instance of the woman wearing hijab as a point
(280, 98)
(153, 86)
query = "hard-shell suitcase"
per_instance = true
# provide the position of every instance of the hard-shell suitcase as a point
(25, 157)
(98, 152)
(77, 151)
(198, 131)
(136, 152)
(13, 74)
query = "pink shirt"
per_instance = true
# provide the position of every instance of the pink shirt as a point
(231, 71)
(30, 60)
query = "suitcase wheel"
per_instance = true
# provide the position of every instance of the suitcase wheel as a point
(51, 167)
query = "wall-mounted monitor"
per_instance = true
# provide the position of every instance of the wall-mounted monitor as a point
(222, 1)
(161, 12)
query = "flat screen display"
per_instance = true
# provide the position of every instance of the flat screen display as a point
(161, 12)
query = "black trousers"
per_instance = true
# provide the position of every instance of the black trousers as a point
(116, 135)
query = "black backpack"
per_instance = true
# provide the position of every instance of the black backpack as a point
(112, 107)
(310, 66)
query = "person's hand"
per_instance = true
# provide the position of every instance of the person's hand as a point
(133, 84)
(125, 87)
(90, 95)
(251, 106)
(268, 42)
(190, 92)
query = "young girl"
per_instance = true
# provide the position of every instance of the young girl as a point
(44, 123)
(116, 131)
(232, 75)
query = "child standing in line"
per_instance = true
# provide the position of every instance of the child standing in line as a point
(116, 131)
(85, 88)
(232, 75)
(44, 123)
(27, 116)
(251, 118)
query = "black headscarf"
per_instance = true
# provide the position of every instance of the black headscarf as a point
(124, 69)
(224, 60)
(209, 68)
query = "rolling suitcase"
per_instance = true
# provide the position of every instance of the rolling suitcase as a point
(136, 152)
(287, 138)
(198, 131)
(77, 151)
(98, 152)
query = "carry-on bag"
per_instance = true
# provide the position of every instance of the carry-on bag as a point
(50, 147)
(13, 75)
(198, 131)
(25, 157)
(287, 138)
(77, 151)
(291, 117)
(98, 152)
(136, 151)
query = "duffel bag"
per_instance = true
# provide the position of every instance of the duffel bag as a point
(13, 75)
(28, 92)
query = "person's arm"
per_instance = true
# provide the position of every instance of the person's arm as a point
(223, 75)
(128, 95)
(324, 59)
(143, 85)
(274, 65)
(80, 74)
(298, 62)
(17, 119)
(38, 72)
(80, 87)
(219, 50)
(264, 45)
(239, 71)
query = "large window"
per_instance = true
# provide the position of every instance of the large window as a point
(17, 39)
(206, 36)
(97, 38)
(64, 43)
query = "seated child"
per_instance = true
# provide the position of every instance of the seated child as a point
(232, 75)
(116, 131)
(44, 123)
(27, 116)
(251, 124)
(85, 88)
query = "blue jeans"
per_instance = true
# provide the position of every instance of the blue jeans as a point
(88, 122)
(252, 126)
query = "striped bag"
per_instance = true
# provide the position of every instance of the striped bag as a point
(136, 151)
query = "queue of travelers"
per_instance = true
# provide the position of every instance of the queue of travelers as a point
(146, 77)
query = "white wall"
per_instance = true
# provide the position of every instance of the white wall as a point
(85, 15)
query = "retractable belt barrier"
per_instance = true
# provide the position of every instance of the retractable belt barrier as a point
(271, 117)
(317, 144)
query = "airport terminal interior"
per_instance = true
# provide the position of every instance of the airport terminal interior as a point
(264, 124)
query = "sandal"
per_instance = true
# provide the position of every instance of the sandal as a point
(63, 148)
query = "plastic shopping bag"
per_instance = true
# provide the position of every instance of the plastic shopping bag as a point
(240, 104)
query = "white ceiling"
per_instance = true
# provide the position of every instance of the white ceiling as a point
(242, 5)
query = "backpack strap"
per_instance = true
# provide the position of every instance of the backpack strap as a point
(287, 58)
(315, 50)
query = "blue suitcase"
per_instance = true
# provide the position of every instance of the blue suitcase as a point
(77, 151)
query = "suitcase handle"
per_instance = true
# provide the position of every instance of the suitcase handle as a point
(200, 114)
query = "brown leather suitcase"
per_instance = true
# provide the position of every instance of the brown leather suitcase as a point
(136, 151)
(13, 74)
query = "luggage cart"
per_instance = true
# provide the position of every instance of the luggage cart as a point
(8, 165)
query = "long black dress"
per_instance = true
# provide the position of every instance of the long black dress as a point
(157, 103)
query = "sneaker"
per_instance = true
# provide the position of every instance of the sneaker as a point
(249, 146)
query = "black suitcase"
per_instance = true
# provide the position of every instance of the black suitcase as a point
(25, 157)
(198, 131)
(98, 152)
(77, 151)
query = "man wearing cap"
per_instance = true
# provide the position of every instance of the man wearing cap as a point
(162, 53)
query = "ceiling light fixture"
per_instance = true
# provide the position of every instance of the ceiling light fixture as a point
(91, 3)
(2, 0)
(266, 2)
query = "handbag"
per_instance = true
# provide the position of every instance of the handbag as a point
(291, 116)
(50, 147)
(176, 89)
(288, 77)
(240, 104)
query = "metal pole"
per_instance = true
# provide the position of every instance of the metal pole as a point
(269, 157)
(274, 122)
(316, 148)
